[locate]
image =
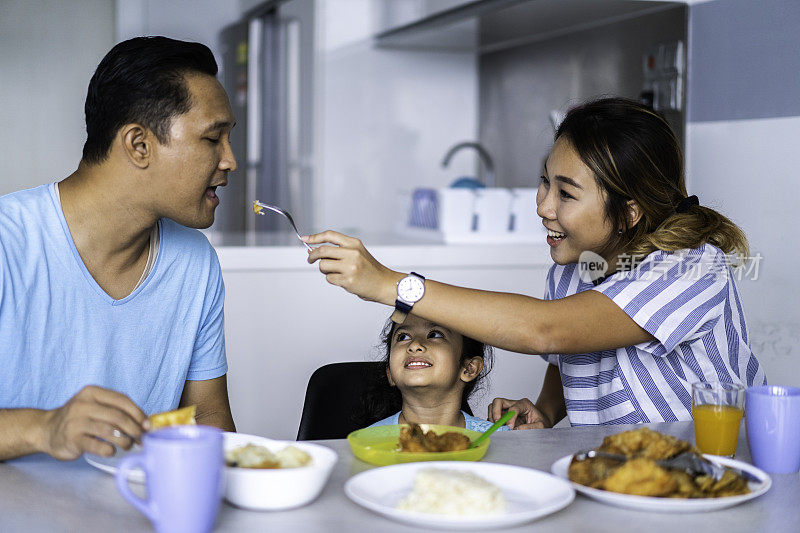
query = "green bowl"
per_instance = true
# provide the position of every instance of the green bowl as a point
(378, 446)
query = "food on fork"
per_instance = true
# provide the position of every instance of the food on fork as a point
(178, 417)
(640, 475)
(257, 208)
(414, 439)
(253, 456)
(453, 492)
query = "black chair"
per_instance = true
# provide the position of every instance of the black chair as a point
(333, 404)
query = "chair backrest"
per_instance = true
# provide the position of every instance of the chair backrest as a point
(334, 400)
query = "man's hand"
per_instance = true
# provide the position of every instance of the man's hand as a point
(528, 415)
(92, 414)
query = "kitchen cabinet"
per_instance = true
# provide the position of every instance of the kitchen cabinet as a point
(491, 25)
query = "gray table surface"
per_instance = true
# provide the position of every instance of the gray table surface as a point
(38, 493)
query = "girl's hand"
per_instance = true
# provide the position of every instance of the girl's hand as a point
(350, 266)
(528, 415)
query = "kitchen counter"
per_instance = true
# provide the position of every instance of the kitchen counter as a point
(288, 253)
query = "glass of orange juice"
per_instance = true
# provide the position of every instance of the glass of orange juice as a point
(717, 411)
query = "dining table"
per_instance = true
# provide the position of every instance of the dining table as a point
(39, 493)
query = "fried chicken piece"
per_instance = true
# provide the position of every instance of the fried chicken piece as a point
(640, 477)
(414, 439)
(729, 485)
(592, 472)
(452, 442)
(644, 442)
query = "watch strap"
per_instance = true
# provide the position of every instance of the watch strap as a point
(401, 310)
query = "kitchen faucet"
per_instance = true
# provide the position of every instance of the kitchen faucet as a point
(484, 155)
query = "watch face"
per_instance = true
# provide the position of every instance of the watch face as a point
(411, 289)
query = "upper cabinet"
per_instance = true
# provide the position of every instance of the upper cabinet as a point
(491, 25)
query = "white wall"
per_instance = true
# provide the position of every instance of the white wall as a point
(742, 141)
(48, 52)
(747, 169)
(187, 20)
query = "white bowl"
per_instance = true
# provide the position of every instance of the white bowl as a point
(280, 488)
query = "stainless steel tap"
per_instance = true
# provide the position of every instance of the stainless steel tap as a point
(482, 153)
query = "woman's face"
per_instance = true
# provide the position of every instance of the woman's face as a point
(423, 354)
(572, 206)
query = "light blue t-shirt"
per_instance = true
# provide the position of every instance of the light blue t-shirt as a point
(472, 422)
(59, 331)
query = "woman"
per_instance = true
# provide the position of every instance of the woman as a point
(623, 348)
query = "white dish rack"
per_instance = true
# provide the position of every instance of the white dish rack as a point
(462, 216)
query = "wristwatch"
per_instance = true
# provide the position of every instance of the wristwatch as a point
(410, 290)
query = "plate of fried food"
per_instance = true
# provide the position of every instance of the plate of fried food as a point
(389, 445)
(645, 480)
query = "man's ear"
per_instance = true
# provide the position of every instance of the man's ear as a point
(137, 143)
(389, 377)
(471, 368)
(634, 213)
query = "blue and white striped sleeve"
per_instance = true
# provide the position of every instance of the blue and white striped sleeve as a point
(676, 297)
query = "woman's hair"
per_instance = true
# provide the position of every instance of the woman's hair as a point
(382, 400)
(635, 155)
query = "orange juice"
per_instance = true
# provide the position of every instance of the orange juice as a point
(716, 428)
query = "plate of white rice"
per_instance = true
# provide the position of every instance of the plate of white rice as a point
(459, 495)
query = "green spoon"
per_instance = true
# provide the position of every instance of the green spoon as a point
(503, 419)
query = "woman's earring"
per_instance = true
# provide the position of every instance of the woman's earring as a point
(619, 232)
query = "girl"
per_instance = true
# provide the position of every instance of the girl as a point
(624, 347)
(433, 371)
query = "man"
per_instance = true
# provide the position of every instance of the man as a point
(110, 306)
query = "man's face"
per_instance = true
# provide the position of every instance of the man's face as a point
(197, 157)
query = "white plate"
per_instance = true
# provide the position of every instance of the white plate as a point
(670, 505)
(530, 494)
(111, 464)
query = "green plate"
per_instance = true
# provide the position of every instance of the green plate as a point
(378, 446)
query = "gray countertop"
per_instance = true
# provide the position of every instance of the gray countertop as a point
(38, 493)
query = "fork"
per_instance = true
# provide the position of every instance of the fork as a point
(258, 209)
(690, 463)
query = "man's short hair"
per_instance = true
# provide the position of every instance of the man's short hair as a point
(141, 81)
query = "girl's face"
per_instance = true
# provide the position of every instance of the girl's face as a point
(423, 354)
(572, 206)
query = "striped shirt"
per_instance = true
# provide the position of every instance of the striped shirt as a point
(688, 301)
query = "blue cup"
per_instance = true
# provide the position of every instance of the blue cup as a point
(184, 468)
(772, 418)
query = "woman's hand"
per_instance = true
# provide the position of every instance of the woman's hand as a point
(350, 266)
(528, 415)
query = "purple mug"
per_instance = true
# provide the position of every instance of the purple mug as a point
(184, 467)
(772, 418)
